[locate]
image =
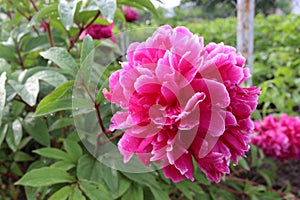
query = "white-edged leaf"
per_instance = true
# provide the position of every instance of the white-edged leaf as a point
(62, 58)
(2, 94)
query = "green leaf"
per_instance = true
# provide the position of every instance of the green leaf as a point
(106, 7)
(44, 12)
(17, 131)
(8, 53)
(61, 123)
(252, 190)
(44, 177)
(29, 91)
(94, 190)
(159, 194)
(185, 188)
(10, 140)
(53, 78)
(73, 149)
(64, 165)
(147, 179)
(62, 194)
(89, 168)
(59, 99)
(66, 11)
(147, 4)
(3, 131)
(2, 94)
(21, 157)
(267, 175)
(243, 163)
(37, 128)
(135, 192)
(111, 179)
(124, 184)
(62, 58)
(77, 195)
(87, 51)
(53, 153)
(5, 67)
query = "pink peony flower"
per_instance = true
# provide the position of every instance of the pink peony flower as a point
(98, 31)
(278, 137)
(130, 14)
(183, 100)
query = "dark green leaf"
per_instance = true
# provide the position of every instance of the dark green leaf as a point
(10, 139)
(267, 175)
(111, 179)
(62, 58)
(183, 187)
(124, 184)
(2, 94)
(89, 168)
(61, 123)
(8, 53)
(37, 128)
(53, 153)
(21, 157)
(135, 192)
(77, 195)
(147, 179)
(3, 131)
(59, 99)
(45, 176)
(62, 194)
(158, 193)
(252, 190)
(94, 190)
(73, 149)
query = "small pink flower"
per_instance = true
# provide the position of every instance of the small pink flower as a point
(181, 101)
(278, 137)
(130, 14)
(98, 31)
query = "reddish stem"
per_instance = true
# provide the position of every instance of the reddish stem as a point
(112, 138)
(81, 29)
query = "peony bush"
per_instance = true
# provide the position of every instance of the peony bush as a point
(278, 137)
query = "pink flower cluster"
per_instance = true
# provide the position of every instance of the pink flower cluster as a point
(130, 14)
(278, 137)
(183, 100)
(98, 31)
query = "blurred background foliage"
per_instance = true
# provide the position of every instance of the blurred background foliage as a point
(38, 65)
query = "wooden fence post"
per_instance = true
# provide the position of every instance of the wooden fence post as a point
(245, 31)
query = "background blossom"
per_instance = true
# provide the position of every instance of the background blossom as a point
(98, 31)
(278, 137)
(183, 100)
(130, 14)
